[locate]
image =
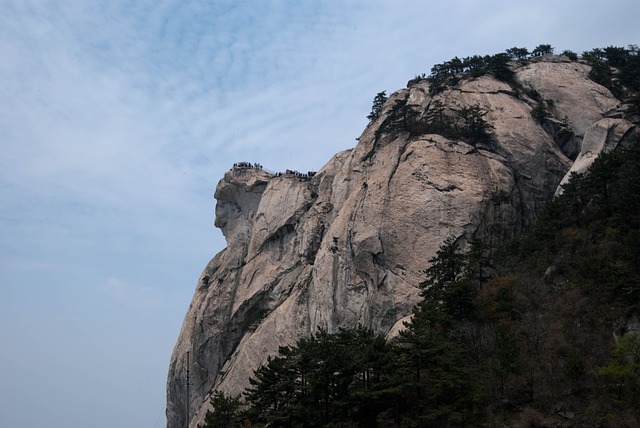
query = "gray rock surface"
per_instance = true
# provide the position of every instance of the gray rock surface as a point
(602, 137)
(349, 245)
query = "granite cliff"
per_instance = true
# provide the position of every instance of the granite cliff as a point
(348, 245)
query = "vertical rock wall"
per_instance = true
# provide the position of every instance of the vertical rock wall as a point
(349, 245)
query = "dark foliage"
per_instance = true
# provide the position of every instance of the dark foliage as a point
(570, 54)
(524, 339)
(541, 50)
(517, 53)
(401, 118)
(468, 123)
(616, 68)
(226, 411)
(326, 378)
(447, 73)
(378, 104)
(472, 124)
(541, 111)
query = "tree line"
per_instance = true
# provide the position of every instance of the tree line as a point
(444, 74)
(355, 377)
(617, 69)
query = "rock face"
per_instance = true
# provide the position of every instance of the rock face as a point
(349, 245)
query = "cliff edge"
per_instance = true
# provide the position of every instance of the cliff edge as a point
(348, 245)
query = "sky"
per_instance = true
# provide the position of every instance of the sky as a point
(117, 120)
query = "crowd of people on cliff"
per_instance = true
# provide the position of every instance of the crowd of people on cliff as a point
(296, 173)
(242, 165)
(247, 165)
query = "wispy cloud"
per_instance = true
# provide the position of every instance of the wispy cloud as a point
(118, 118)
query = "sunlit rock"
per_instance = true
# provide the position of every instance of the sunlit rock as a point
(349, 245)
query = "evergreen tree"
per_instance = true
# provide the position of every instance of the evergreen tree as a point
(472, 124)
(225, 413)
(378, 104)
(436, 121)
(401, 118)
(479, 265)
(476, 65)
(498, 65)
(616, 56)
(438, 366)
(326, 378)
(441, 387)
(446, 267)
(541, 50)
(517, 53)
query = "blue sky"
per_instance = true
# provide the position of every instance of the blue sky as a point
(118, 118)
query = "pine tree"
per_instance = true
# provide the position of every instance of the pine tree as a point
(378, 104)
(225, 413)
(472, 124)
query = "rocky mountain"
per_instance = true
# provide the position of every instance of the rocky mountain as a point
(348, 245)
